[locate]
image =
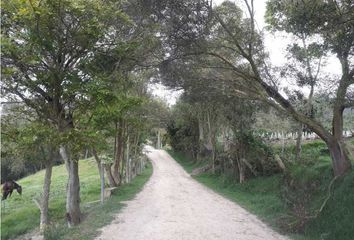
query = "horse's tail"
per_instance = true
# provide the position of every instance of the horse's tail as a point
(4, 196)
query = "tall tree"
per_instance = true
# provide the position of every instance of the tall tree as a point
(235, 43)
(332, 23)
(45, 43)
(28, 139)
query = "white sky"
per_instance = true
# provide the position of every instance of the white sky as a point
(275, 45)
(166, 94)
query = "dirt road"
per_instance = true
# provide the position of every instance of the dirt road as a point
(172, 205)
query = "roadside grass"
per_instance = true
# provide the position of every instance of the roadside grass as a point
(262, 196)
(185, 161)
(21, 216)
(336, 221)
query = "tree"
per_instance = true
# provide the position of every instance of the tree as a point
(45, 45)
(236, 44)
(34, 142)
(332, 22)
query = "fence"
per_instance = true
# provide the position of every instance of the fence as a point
(276, 136)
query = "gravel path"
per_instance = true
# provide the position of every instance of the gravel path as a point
(172, 205)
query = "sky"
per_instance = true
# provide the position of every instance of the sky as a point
(275, 45)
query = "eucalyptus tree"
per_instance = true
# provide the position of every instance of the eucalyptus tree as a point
(333, 23)
(305, 60)
(234, 41)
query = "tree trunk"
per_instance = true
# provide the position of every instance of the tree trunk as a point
(298, 143)
(212, 141)
(100, 167)
(119, 153)
(241, 170)
(108, 169)
(128, 165)
(158, 145)
(73, 193)
(340, 155)
(73, 213)
(115, 140)
(44, 219)
(123, 167)
(201, 137)
(213, 158)
(136, 144)
(200, 128)
(98, 160)
(280, 162)
(102, 182)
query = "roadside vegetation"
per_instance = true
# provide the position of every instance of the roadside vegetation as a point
(74, 86)
(306, 209)
(273, 137)
(21, 215)
(76, 83)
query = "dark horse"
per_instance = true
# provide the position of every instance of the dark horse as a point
(8, 187)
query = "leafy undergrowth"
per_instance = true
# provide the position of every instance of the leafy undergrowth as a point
(336, 221)
(290, 202)
(20, 214)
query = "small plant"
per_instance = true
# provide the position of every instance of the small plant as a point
(54, 232)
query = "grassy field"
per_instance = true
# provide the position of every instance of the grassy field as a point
(263, 197)
(20, 214)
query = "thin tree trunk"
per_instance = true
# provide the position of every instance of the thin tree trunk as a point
(118, 156)
(73, 213)
(128, 166)
(241, 170)
(200, 128)
(102, 181)
(115, 140)
(44, 219)
(100, 167)
(247, 164)
(201, 137)
(280, 162)
(211, 142)
(213, 157)
(298, 143)
(98, 160)
(136, 144)
(158, 145)
(141, 164)
(123, 167)
(108, 169)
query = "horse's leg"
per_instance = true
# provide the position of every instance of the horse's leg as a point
(10, 193)
(4, 195)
